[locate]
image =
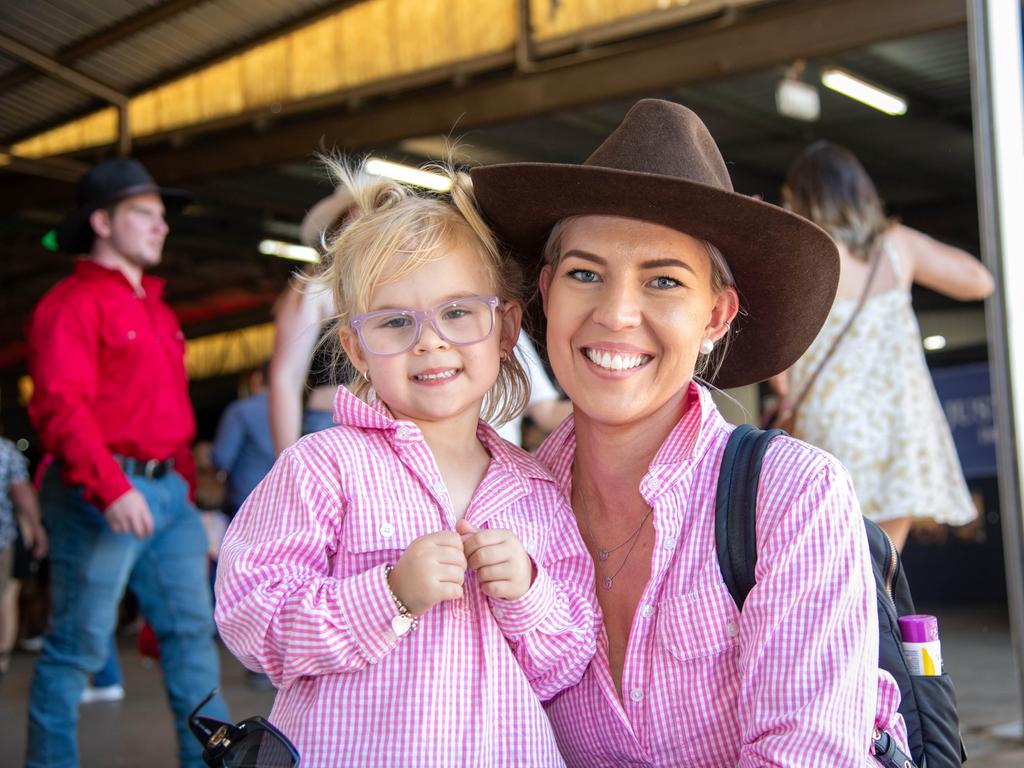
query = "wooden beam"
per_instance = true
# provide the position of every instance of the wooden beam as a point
(105, 38)
(760, 38)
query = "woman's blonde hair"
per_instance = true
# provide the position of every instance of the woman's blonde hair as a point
(828, 185)
(392, 231)
(707, 366)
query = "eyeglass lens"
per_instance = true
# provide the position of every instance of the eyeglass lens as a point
(464, 321)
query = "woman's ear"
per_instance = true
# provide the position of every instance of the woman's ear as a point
(726, 307)
(511, 323)
(350, 343)
(545, 283)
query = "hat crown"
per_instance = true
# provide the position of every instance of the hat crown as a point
(665, 139)
(107, 181)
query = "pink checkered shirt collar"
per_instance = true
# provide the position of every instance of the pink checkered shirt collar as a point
(351, 411)
(688, 441)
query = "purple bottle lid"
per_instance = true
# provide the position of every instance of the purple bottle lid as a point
(919, 628)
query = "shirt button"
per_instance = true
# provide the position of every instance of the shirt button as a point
(403, 433)
(654, 483)
(732, 628)
(386, 530)
(131, 335)
(669, 543)
(440, 489)
(647, 611)
(636, 695)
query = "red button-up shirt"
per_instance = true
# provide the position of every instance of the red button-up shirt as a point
(108, 370)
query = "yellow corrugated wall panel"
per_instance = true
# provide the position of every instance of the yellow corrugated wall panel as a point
(371, 41)
(570, 16)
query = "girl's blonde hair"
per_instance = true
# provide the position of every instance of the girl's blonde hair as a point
(707, 366)
(393, 230)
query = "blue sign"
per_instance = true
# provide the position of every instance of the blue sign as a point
(967, 401)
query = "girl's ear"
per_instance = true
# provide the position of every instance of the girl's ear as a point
(511, 323)
(350, 343)
(726, 307)
(545, 283)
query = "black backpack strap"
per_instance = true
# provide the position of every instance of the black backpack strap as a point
(736, 507)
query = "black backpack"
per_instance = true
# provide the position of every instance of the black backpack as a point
(928, 704)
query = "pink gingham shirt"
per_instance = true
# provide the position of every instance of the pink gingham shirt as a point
(302, 596)
(794, 681)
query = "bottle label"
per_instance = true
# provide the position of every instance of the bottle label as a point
(923, 659)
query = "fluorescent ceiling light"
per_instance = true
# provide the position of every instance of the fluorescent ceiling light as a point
(408, 175)
(859, 90)
(292, 251)
(933, 343)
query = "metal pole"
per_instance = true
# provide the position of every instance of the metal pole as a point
(994, 33)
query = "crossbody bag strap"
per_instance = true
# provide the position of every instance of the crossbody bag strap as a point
(835, 342)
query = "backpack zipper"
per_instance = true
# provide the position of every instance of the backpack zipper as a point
(890, 572)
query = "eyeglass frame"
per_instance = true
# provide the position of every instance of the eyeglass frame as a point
(420, 316)
(219, 738)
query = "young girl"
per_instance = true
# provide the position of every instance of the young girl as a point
(413, 585)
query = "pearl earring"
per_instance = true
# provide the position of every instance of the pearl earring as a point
(706, 346)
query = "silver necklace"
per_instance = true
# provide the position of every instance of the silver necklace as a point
(604, 553)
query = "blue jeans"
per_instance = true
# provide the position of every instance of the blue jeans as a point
(90, 566)
(110, 672)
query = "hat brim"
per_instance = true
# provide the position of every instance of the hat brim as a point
(323, 215)
(786, 268)
(75, 235)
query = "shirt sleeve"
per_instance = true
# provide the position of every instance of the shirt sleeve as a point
(552, 629)
(63, 351)
(278, 609)
(809, 628)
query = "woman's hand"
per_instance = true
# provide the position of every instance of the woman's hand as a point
(430, 570)
(502, 566)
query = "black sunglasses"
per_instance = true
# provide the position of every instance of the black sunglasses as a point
(252, 743)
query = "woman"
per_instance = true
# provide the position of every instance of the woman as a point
(877, 413)
(649, 266)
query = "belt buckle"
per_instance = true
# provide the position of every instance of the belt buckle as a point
(150, 469)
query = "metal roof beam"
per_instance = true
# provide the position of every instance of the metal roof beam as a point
(764, 37)
(104, 38)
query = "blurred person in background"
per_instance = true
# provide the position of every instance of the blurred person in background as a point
(243, 448)
(19, 515)
(862, 390)
(111, 403)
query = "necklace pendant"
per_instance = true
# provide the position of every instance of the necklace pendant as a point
(606, 582)
(602, 554)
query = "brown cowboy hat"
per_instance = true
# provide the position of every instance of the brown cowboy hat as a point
(661, 165)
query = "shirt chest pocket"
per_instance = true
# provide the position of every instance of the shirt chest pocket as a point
(373, 528)
(700, 624)
(531, 531)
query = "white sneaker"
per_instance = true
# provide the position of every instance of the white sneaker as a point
(102, 693)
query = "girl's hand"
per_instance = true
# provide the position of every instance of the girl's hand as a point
(502, 566)
(430, 570)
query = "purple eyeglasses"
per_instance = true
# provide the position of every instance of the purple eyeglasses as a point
(465, 320)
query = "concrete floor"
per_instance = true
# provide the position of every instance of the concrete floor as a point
(137, 731)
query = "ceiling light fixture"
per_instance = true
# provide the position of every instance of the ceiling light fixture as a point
(853, 87)
(292, 251)
(408, 175)
(796, 99)
(934, 343)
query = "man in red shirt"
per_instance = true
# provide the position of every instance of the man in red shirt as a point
(111, 404)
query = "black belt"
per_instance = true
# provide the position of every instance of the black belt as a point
(151, 469)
